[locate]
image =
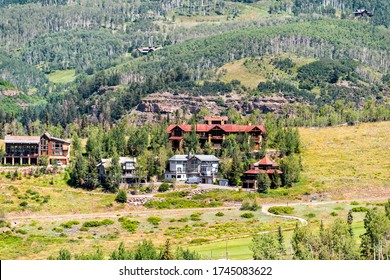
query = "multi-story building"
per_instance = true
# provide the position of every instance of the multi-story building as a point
(265, 166)
(26, 150)
(183, 167)
(214, 131)
(128, 166)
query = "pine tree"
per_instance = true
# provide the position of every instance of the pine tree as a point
(281, 240)
(114, 175)
(276, 180)
(78, 171)
(263, 183)
(350, 221)
(91, 180)
(166, 253)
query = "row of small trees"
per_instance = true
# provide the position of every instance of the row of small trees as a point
(335, 242)
(145, 250)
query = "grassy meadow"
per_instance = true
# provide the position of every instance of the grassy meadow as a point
(348, 162)
(62, 76)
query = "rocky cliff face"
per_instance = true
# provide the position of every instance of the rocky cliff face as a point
(168, 103)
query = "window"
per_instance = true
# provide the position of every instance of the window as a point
(179, 169)
(57, 146)
(178, 176)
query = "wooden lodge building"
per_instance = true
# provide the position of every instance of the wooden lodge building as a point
(265, 166)
(213, 130)
(26, 150)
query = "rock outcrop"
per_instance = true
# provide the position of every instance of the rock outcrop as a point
(168, 103)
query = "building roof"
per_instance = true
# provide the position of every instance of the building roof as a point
(266, 161)
(106, 162)
(216, 118)
(200, 157)
(206, 157)
(47, 134)
(224, 127)
(257, 171)
(11, 139)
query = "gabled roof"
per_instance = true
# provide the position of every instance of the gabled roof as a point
(106, 162)
(206, 157)
(265, 161)
(199, 157)
(48, 136)
(224, 127)
(11, 139)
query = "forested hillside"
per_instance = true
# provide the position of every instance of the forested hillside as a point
(80, 57)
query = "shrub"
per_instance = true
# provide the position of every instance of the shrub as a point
(310, 215)
(183, 220)
(277, 210)
(21, 231)
(23, 203)
(4, 224)
(195, 217)
(199, 240)
(129, 225)
(163, 187)
(354, 203)
(121, 197)
(58, 229)
(104, 222)
(247, 215)
(69, 224)
(248, 205)
(154, 220)
(359, 209)
(219, 214)
(338, 208)
(334, 214)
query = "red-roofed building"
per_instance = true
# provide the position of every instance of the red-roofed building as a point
(214, 133)
(265, 166)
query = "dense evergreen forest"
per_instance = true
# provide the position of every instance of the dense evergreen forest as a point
(97, 41)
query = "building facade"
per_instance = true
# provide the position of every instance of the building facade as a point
(128, 167)
(26, 150)
(214, 131)
(183, 167)
(265, 166)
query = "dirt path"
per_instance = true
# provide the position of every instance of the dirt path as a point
(148, 212)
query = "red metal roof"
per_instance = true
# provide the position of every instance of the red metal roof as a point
(224, 127)
(257, 171)
(265, 161)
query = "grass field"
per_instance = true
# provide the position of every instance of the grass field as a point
(62, 76)
(253, 71)
(348, 162)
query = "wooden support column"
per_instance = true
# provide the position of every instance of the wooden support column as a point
(29, 161)
(20, 161)
(13, 160)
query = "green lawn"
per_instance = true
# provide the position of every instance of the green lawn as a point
(62, 76)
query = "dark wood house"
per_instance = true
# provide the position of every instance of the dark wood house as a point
(362, 12)
(26, 150)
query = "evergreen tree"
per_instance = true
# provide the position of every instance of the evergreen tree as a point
(387, 205)
(146, 251)
(78, 171)
(122, 253)
(191, 141)
(276, 181)
(291, 169)
(91, 180)
(263, 183)
(166, 253)
(350, 221)
(121, 196)
(280, 240)
(114, 175)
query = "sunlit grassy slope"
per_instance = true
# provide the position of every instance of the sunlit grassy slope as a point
(348, 161)
(62, 77)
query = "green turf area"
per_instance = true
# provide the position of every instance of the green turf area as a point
(62, 76)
